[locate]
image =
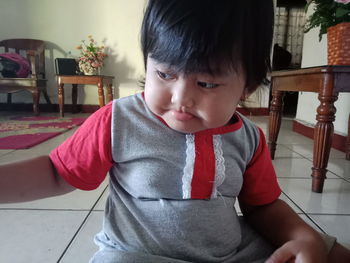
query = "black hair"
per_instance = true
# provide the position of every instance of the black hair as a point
(210, 36)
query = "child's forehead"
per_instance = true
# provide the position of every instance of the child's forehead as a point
(213, 70)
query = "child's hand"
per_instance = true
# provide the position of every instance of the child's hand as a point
(299, 251)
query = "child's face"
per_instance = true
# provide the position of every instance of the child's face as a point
(192, 102)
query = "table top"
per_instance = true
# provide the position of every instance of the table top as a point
(312, 70)
(84, 79)
(313, 79)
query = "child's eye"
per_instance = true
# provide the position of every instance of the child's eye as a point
(165, 76)
(207, 85)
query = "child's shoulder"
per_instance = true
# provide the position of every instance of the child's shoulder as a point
(128, 103)
(131, 99)
(131, 106)
(247, 123)
(250, 131)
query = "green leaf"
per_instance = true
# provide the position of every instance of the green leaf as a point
(341, 12)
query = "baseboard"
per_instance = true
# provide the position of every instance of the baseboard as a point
(254, 111)
(28, 107)
(338, 141)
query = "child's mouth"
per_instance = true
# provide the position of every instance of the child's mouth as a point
(182, 116)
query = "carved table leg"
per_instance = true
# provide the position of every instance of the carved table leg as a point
(36, 99)
(347, 149)
(109, 92)
(61, 99)
(101, 96)
(74, 97)
(323, 134)
(276, 108)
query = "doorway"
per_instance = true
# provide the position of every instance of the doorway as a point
(288, 39)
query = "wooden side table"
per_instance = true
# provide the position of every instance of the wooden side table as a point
(327, 81)
(98, 80)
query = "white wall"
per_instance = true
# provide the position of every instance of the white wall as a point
(63, 24)
(315, 54)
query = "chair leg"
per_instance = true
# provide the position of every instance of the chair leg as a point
(46, 96)
(9, 98)
(36, 98)
(74, 98)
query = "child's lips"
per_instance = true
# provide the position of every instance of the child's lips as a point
(182, 116)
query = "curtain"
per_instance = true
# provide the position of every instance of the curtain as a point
(289, 31)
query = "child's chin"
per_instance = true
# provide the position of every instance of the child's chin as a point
(184, 128)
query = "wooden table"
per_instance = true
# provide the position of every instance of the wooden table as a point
(98, 80)
(327, 81)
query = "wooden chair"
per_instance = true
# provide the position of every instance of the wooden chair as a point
(35, 82)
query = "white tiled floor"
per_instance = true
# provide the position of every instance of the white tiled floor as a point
(61, 229)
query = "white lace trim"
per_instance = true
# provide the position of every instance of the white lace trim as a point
(189, 167)
(219, 165)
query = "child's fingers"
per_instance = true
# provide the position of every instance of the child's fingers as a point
(282, 255)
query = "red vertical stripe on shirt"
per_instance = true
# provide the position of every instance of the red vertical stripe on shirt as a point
(204, 167)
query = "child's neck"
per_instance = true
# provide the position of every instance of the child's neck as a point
(233, 120)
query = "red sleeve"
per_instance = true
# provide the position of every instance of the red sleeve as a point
(260, 184)
(84, 159)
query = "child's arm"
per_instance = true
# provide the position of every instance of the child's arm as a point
(285, 229)
(29, 180)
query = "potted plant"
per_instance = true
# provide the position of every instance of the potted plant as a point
(333, 19)
(91, 56)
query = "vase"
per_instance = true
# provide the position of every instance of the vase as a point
(87, 69)
(90, 72)
(338, 44)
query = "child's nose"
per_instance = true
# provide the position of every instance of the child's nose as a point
(183, 96)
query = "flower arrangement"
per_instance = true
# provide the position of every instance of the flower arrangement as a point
(91, 56)
(327, 13)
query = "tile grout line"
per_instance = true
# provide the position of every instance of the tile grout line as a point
(81, 225)
(285, 145)
(313, 221)
(310, 159)
(304, 213)
(306, 156)
(303, 156)
(328, 214)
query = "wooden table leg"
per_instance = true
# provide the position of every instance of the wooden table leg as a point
(101, 96)
(323, 134)
(61, 99)
(276, 108)
(109, 92)
(36, 99)
(347, 149)
(74, 97)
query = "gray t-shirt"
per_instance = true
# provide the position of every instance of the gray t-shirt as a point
(172, 194)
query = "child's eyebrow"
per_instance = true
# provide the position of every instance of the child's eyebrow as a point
(164, 66)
